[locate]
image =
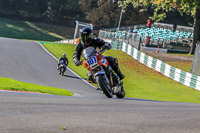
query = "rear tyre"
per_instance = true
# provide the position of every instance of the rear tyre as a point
(105, 88)
(121, 93)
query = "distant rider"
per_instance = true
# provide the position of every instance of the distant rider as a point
(87, 40)
(64, 59)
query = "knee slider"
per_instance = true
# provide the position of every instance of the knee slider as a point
(115, 61)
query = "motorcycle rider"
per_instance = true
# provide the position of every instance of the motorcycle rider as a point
(87, 40)
(64, 59)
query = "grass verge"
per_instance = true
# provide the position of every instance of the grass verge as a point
(33, 31)
(185, 66)
(140, 81)
(181, 61)
(11, 84)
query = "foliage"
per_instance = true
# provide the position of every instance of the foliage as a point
(101, 13)
(161, 7)
(57, 11)
(106, 13)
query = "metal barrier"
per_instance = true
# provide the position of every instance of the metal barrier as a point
(176, 74)
(119, 37)
(164, 26)
(184, 29)
(164, 38)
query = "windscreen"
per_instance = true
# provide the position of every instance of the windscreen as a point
(88, 52)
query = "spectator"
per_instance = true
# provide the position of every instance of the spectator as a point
(149, 23)
(148, 38)
(131, 30)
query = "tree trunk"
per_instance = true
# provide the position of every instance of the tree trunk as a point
(196, 26)
(1, 2)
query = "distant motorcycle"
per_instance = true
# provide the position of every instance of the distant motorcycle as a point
(62, 67)
(102, 72)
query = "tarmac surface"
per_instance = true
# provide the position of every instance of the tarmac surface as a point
(90, 112)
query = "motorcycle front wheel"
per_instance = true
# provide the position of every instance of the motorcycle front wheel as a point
(61, 71)
(101, 81)
(121, 93)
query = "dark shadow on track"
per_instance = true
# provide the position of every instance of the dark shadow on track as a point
(137, 99)
(73, 77)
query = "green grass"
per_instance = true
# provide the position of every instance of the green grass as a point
(181, 54)
(11, 84)
(185, 66)
(59, 49)
(33, 31)
(140, 81)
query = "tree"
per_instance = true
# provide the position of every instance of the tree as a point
(106, 13)
(161, 7)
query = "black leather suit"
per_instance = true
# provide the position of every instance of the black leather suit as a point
(97, 42)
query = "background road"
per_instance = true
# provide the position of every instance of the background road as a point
(42, 113)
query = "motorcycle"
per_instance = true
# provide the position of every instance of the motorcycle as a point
(107, 81)
(62, 68)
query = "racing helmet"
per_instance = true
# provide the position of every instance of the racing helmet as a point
(64, 55)
(86, 35)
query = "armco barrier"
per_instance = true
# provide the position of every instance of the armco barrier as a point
(66, 41)
(176, 74)
(115, 44)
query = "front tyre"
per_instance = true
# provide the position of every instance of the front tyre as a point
(121, 93)
(105, 88)
(62, 71)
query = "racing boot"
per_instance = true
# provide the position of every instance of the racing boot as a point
(119, 73)
(115, 79)
(114, 64)
(115, 67)
(90, 78)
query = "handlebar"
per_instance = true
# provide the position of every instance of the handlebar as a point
(100, 52)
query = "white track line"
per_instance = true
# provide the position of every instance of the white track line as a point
(67, 68)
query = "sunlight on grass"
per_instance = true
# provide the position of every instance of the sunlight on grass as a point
(15, 27)
(33, 31)
(140, 81)
(42, 30)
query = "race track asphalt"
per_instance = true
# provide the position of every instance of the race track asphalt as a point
(92, 112)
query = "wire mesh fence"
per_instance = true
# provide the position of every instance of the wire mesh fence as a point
(161, 35)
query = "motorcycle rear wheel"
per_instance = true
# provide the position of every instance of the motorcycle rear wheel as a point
(105, 88)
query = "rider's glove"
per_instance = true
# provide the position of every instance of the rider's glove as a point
(77, 62)
(106, 46)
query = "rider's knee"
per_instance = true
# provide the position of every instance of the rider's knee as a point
(115, 61)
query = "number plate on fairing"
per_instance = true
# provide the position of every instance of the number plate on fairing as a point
(92, 61)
